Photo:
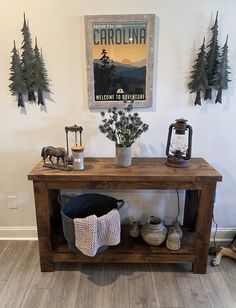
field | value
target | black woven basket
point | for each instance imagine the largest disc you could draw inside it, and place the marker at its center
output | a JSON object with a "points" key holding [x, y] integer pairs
{"points": [[82, 206]]}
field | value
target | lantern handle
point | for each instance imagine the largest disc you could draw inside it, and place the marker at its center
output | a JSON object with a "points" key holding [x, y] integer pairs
{"points": [[189, 150], [169, 139]]}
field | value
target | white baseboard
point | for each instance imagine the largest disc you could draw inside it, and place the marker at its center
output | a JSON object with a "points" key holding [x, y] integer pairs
{"points": [[223, 234], [19, 233], [30, 233]]}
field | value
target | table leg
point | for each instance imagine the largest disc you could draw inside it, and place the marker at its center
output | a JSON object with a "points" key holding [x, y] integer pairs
{"points": [[41, 196], [203, 228], [191, 208]]}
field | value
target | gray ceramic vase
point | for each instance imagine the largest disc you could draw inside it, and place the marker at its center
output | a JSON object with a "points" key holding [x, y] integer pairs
{"points": [[134, 229], [174, 236], [153, 231], [123, 156]]}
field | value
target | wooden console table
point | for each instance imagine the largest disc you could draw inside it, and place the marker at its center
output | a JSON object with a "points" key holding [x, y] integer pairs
{"points": [[199, 180]]}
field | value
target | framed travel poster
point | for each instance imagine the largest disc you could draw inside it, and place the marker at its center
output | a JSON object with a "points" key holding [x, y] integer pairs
{"points": [[120, 56]]}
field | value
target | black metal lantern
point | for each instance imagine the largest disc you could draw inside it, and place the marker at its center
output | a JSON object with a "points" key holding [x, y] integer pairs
{"points": [[179, 144], [74, 129]]}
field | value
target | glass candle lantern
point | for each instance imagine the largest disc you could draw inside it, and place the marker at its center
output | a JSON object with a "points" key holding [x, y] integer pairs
{"points": [[179, 144], [78, 157]]}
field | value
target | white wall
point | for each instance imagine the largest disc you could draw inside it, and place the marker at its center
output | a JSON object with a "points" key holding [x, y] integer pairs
{"points": [[59, 28]]}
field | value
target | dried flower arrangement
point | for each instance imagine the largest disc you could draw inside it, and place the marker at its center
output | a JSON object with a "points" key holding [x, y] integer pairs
{"points": [[122, 126]]}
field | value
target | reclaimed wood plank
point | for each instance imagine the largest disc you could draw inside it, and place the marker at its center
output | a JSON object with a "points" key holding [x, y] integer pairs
{"points": [[151, 169], [203, 228], [145, 173], [191, 209], [42, 207]]}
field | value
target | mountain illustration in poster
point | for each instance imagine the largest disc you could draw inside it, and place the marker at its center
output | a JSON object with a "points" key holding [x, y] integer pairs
{"points": [[119, 62]]}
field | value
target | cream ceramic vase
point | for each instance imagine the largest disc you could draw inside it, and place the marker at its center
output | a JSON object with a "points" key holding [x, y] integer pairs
{"points": [[153, 231]]}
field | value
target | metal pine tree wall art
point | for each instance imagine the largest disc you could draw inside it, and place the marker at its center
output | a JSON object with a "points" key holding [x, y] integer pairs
{"points": [[28, 61], [212, 59], [17, 86], [210, 71], [27, 72], [199, 75], [41, 82], [221, 79]]}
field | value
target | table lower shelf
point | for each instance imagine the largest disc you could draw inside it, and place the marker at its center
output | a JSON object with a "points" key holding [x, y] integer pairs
{"points": [[130, 250]]}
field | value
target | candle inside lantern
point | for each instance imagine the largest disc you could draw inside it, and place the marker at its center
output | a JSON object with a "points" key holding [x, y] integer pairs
{"points": [[78, 157]]}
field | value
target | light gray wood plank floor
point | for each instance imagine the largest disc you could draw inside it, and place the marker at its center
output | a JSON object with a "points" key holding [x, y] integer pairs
{"points": [[109, 285]]}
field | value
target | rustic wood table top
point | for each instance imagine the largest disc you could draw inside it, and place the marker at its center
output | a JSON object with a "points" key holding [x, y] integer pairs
{"points": [[150, 169]]}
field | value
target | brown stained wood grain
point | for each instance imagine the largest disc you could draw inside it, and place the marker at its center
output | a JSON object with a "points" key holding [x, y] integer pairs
{"points": [[199, 180], [203, 228], [42, 207], [133, 246], [67, 184], [151, 169], [191, 208], [124, 258]]}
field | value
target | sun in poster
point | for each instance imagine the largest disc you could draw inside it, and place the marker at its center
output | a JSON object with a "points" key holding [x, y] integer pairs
{"points": [[119, 61]]}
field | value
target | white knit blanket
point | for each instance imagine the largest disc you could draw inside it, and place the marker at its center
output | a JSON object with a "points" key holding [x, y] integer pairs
{"points": [[92, 232]]}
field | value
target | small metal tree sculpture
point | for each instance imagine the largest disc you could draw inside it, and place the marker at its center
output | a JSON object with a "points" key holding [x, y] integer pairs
{"points": [[199, 75], [41, 77], [17, 85], [222, 72]]}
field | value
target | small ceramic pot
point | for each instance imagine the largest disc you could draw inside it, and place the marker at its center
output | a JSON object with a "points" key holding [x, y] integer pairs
{"points": [[153, 231]]}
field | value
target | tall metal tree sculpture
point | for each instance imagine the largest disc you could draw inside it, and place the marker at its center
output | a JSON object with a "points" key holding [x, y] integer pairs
{"points": [[199, 75], [41, 78], [28, 61], [212, 59], [222, 72], [17, 85]]}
